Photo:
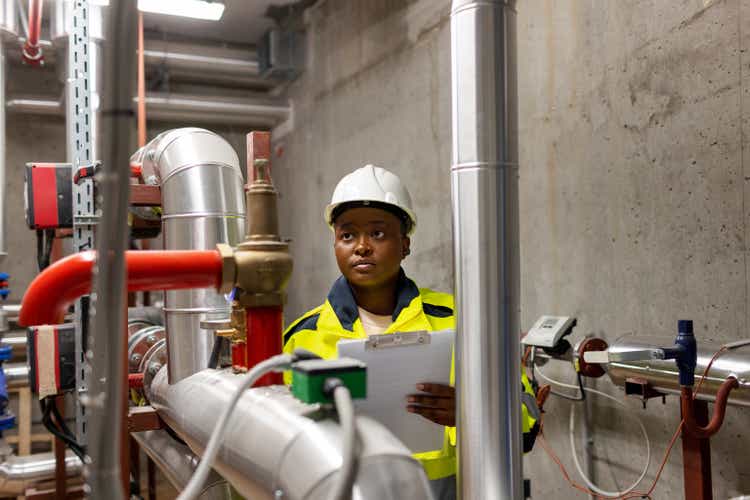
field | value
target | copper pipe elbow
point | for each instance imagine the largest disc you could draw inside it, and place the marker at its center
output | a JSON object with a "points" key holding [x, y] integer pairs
{"points": [[720, 407]]}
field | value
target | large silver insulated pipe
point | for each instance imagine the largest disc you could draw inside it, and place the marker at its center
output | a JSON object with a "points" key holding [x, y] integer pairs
{"points": [[19, 473], [202, 205], [484, 180], [663, 376], [178, 463], [277, 447]]}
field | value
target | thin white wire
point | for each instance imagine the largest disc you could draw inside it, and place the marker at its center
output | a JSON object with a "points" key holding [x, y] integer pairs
{"points": [[195, 485], [342, 489], [571, 435]]}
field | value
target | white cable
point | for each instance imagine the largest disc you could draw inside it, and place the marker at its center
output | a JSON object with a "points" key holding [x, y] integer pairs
{"points": [[195, 485], [345, 408], [571, 435]]}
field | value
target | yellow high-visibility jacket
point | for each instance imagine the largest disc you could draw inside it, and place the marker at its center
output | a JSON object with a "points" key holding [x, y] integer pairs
{"points": [[320, 329]]}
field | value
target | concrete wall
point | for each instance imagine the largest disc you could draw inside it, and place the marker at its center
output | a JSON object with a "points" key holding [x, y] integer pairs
{"points": [[633, 180]]}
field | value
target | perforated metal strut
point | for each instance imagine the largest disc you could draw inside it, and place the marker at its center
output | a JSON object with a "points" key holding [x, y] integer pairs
{"points": [[80, 152]]}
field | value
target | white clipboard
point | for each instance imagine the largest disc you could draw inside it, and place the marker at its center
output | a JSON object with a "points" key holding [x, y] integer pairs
{"points": [[396, 363]]}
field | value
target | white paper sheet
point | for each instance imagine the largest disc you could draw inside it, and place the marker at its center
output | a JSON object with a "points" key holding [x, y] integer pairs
{"points": [[393, 373]]}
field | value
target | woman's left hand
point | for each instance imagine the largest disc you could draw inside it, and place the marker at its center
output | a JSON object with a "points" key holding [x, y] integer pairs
{"points": [[438, 405]]}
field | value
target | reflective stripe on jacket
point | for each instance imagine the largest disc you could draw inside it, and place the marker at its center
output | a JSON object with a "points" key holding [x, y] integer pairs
{"points": [[320, 329]]}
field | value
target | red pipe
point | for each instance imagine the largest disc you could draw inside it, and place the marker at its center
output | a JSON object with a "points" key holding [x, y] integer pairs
{"points": [[57, 287], [32, 52], [263, 339], [691, 426]]}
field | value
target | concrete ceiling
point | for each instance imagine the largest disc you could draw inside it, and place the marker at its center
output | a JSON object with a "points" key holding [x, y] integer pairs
{"points": [[243, 22]]}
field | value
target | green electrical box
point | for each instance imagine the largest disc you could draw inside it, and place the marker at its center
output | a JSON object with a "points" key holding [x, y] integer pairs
{"points": [[309, 376]]}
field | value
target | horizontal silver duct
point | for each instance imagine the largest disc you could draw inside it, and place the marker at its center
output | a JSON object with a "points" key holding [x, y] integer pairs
{"points": [[662, 374], [202, 109], [187, 109], [276, 446], [202, 63], [178, 463], [19, 473]]}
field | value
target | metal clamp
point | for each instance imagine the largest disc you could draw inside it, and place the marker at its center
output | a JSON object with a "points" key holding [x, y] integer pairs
{"points": [[398, 339]]}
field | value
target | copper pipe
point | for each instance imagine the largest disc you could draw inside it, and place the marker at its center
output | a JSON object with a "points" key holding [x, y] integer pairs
{"points": [[141, 86], [691, 425], [32, 52]]}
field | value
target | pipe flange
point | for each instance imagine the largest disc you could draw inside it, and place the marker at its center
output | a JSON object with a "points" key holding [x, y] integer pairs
{"points": [[592, 370], [140, 343]]}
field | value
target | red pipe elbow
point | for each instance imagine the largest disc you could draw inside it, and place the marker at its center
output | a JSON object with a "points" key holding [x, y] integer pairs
{"points": [[57, 287], [720, 407], [32, 52]]}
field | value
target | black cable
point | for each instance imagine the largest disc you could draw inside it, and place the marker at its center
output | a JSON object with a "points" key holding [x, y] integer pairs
{"points": [[45, 238], [213, 360], [66, 437], [582, 392]]}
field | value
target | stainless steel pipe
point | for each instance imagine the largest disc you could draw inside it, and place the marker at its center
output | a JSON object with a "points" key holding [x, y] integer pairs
{"points": [[484, 180], [180, 108], [109, 308], [662, 374], [18, 473], [3, 71], [278, 447], [202, 205], [178, 463], [211, 64], [259, 112], [16, 374]]}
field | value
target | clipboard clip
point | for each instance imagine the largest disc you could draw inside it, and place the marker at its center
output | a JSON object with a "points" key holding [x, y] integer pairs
{"points": [[398, 339]]}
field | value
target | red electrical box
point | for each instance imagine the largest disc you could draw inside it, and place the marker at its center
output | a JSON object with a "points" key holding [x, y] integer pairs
{"points": [[48, 195]]}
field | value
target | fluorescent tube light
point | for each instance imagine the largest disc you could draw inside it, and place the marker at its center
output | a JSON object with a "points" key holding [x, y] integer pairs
{"points": [[197, 9]]}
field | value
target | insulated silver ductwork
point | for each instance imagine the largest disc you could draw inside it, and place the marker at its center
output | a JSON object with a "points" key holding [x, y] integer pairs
{"points": [[210, 64], [178, 463], [258, 112], [663, 376], [484, 180], [277, 447], [19, 473], [202, 205]]}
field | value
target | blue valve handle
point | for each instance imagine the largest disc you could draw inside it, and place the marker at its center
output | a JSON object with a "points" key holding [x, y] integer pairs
{"points": [[684, 352], [4, 290]]}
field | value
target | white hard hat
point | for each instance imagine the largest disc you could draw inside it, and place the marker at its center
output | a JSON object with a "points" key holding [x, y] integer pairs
{"points": [[372, 184]]}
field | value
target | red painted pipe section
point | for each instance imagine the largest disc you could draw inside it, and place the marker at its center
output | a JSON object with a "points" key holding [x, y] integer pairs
{"points": [[57, 287], [691, 426], [263, 339], [135, 380], [32, 52]]}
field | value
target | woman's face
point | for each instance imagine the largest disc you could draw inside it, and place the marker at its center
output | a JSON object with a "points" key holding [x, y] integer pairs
{"points": [[369, 246]]}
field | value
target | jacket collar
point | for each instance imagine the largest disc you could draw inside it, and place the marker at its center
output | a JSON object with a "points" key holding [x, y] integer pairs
{"points": [[344, 306]]}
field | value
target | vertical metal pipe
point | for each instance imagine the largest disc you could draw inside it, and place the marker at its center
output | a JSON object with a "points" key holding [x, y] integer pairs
{"points": [[3, 69], [109, 322], [484, 180]]}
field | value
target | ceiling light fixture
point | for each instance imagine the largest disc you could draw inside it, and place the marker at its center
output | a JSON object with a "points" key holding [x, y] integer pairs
{"points": [[197, 9]]}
